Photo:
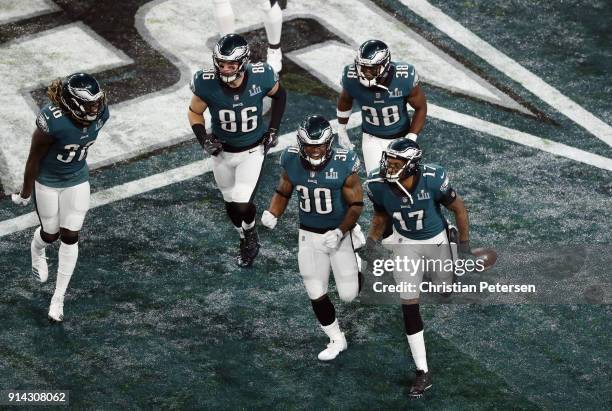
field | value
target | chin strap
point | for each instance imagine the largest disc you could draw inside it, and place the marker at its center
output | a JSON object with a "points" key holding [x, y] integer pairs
{"points": [[401, 186]]}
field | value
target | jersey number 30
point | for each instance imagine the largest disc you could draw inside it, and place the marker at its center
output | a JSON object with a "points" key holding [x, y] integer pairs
{"points": [[321, 197]]}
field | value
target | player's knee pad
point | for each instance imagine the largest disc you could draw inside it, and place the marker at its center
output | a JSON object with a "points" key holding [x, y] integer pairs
{"points": [[412, 318], [246, 211], [324, 310], [49, 238], [69, 237]]}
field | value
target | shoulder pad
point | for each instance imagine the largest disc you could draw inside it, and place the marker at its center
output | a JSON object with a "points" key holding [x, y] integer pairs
{"points": [[286, 156], [199, 80], [42, 123], [436, 176]]}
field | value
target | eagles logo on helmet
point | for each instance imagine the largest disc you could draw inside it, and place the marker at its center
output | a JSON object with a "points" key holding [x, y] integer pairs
{"points": [[402, 149], [372, 63], [315, 130], [231, 48], [82, 97]]}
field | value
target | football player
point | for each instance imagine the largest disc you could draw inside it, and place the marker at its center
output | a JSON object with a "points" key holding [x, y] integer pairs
{"points": [[410, 194], [330, 201], [57, 177], [382, 88], [233, 91], [273, 23]]}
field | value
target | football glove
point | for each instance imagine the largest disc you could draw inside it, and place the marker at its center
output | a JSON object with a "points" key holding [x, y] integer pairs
{"points": [[19, 200], [332, 238], [211, 144], [269, 220], [343, 138], [270, 139]]}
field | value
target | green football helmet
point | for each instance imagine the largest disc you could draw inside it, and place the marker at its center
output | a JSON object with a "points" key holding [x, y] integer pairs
{"points": [[231, 48], [315, 130]]}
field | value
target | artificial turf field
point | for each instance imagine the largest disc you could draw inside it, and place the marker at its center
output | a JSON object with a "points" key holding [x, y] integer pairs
{"points": [[159, 317]]}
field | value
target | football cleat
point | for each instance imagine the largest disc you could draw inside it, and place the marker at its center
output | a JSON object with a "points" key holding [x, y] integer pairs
{"points": [[40, 269], [56, 309], [334, 348], [275, 59], [421, 383], [249, 248]]}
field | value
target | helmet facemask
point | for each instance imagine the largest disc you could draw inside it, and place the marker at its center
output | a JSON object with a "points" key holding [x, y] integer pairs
{"points": [[231, 49], [325, 140], [82, 97], [378, 60]]}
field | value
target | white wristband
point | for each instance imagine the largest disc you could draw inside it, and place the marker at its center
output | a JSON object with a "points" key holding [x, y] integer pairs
{"points": [[412, 136], [343, 114]]}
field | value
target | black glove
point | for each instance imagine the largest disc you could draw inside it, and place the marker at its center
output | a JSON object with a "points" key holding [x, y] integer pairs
{"points": [[270, 139], [373, 251], [212, 144], [209, 142]]}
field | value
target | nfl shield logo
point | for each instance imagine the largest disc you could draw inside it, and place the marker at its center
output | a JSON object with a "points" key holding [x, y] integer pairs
{"points": [[377, 95], [312, 174], [236, 97]]}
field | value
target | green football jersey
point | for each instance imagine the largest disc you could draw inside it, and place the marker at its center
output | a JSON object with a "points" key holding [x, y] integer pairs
{"points": [[65, 163], [322, 205], [383, 113], [422, 219], [236, 113]]}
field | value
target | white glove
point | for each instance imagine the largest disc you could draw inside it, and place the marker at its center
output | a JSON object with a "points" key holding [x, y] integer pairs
{"points": [[343, 138], [269, 220], [19, 200], [332, 238]]}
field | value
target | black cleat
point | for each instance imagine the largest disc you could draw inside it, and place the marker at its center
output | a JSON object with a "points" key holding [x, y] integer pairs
{"points": [[421, 383], [249, 248]]}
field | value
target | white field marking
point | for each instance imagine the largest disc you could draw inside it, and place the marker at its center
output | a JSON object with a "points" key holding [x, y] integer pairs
{"points": [[143, 185], [327, 74], [511, 68], [30, 62], [369, 21], [198, 168], [158, 120], [14, 10], [519, 137]]}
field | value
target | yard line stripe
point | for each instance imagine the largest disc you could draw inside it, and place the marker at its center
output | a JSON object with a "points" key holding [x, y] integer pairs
{"points": [[143, 185], [511, 68]]}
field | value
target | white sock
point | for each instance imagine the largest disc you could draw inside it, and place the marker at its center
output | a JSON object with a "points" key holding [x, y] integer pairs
{"points": [[38, 243], [240, 231], [224, 14], [333, 330], [417, 348], [273, 21], [67, 258]]}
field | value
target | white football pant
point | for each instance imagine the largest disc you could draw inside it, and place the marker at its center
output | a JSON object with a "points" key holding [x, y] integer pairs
{"points": [[315, 261], [237, 174], [61, 207], [433, 252], [372, 148]]}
